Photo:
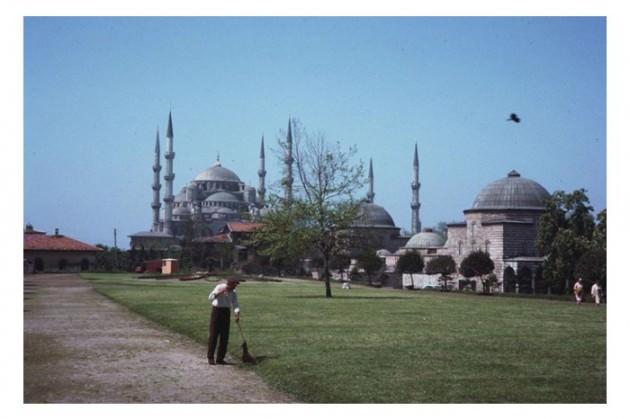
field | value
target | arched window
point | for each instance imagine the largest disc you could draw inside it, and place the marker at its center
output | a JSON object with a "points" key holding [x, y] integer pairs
{"points": [[62, 264], [459, 247], [509, 279], [487, 245], [39, 264], [85, 264]]}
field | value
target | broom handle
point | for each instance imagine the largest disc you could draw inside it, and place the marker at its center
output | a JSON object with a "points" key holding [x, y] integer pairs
{"points": [[240, 330]]}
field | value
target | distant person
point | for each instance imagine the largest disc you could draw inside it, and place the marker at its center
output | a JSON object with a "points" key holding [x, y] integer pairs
{"points": [[223, 298], [578, 288], [596, 292], [346, 285]]}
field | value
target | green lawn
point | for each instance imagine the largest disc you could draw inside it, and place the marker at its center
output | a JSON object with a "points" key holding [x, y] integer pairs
{"points": [[389, 346]]}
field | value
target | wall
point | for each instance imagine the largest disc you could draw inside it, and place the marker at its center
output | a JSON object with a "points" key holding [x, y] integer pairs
{"points": [[51, 260]]}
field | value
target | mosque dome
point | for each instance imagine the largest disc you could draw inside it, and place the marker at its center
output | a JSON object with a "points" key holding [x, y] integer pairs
{"points": [[426, 238], [222, 197], [217, 173], [181, 210], [372, 215], [511, 192], [181, 196]]}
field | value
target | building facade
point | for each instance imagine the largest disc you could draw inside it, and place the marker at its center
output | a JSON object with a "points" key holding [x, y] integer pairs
{"points": [[205, 204], [56, 253]]}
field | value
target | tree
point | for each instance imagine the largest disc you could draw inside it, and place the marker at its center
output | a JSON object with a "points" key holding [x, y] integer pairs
{"points": [[340, 263], [322, 205], [370, 262], [444, 265], [410, 263], [478, 263], [567, 233]]}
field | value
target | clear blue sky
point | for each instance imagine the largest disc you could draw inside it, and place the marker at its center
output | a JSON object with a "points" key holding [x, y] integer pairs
{"points": [[96, 89]]}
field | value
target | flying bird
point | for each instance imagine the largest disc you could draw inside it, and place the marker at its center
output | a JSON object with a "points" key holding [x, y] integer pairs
{"points": [[514, 117]]}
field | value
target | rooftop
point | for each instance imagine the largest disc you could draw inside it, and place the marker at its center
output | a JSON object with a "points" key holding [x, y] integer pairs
{"points": [[39, 241]]}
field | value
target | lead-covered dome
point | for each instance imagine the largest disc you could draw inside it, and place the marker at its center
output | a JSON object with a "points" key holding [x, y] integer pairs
{"points": [[425, 239], [222, 197], [511, 192], [217, 173], [372, 215]]}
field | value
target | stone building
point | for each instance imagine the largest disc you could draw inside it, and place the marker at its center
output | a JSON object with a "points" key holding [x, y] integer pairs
{"points": [[502, 221], [205, 204], [56, 253]]}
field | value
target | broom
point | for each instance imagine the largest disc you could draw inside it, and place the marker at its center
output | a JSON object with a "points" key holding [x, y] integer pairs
{"points": [[247, 357]]}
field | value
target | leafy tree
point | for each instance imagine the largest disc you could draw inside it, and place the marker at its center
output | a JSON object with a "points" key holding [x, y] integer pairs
{"points": [[445, 266], [370, 262], [322, 206], [340, 262], [112, 259], [478, 263], [567, 234], [410, 263]]}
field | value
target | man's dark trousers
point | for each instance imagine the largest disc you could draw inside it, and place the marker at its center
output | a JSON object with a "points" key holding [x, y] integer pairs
{"points": [[219, 331]]}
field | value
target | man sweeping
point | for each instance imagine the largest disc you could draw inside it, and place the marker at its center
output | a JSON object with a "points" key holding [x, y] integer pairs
{"points": [[223, 298]]}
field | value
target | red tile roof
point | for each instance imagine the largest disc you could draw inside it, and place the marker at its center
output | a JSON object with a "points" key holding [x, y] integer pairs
{"points": [[58, 243], [244, 227]]}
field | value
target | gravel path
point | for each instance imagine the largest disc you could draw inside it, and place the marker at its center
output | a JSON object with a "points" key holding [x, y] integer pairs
{"points": [[80, 347]]}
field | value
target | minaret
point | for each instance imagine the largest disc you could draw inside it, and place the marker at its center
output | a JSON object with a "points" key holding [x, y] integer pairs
{"points": [[370, 194], [261, 174], [155, 205], [168, 194], [288, 167], [415, 195]]}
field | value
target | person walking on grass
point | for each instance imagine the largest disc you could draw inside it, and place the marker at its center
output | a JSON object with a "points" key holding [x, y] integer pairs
{"points": [[578, 288], [596, 292], [223, 298]]}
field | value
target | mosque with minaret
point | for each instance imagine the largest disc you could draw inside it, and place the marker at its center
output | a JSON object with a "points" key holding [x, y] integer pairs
{"points": [[217, 196], [502, 221]]}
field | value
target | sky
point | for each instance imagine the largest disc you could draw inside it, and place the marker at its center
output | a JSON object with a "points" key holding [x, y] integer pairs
{"points": [[97, 89]]}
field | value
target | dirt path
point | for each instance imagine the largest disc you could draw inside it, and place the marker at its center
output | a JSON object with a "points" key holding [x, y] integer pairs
{"points": [[79, 347]]}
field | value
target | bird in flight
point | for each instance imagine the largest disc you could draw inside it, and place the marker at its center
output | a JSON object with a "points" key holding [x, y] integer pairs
{"points": [[514, 117]]}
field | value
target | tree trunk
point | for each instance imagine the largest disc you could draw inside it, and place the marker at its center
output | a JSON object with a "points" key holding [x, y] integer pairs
{"points": [[327, 277]]}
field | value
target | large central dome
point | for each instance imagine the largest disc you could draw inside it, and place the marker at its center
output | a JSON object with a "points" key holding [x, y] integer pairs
{"points": [[372, 215], [511, 192], [217, 173]]}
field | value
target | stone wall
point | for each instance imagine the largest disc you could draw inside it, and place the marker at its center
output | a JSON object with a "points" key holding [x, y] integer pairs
{"points": [[62, 261]]}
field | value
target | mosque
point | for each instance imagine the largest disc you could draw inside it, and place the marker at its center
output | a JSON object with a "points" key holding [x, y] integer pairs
{"points": [[503, 219]]}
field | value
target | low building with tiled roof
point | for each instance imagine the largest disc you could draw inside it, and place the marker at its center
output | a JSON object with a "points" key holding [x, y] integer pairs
{"points": [[56, 253]]}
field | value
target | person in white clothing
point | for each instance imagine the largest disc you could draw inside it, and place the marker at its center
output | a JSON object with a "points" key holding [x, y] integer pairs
{"points": [[596, 292], [223, 298], [578, 288]]}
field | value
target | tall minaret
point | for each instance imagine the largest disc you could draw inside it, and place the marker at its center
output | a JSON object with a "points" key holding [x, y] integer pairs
{"points": [[261, 174], [156, 185], [370, 194], [168, 194], [288, 167], [416, 226]]}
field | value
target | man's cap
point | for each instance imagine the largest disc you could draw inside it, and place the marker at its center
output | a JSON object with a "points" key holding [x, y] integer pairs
{"points": [[233, 280]]}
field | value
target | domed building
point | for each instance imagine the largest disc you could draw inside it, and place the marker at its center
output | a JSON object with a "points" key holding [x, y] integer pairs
{"points": [[214, 198], [374, 226], [502, 221]]}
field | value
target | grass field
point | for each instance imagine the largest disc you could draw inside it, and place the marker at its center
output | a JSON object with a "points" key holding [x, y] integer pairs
{"points": [[388, 346]]}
